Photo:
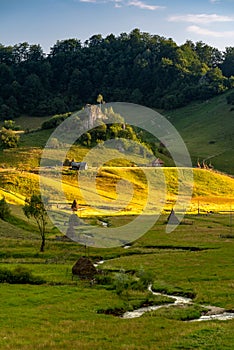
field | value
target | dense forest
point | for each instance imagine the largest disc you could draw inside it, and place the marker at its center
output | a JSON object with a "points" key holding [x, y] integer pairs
{"points": [[135, 67]]}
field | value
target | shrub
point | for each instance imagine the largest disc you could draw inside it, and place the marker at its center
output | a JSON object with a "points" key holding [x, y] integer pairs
{"points": [[55, 121], [230, 98], [19, 275], [10, 125], [8, 139], [4, 209], [104, 279], [145, 278], [122, 283]]}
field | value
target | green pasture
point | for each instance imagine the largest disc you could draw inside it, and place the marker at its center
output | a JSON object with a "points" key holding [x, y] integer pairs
{"points": [[207, 129], [29, 123], [64, 313]]}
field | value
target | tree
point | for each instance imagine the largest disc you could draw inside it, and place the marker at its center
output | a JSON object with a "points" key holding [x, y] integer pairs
{"points": [[65, 47], [4, 209], [209, 55], [136, 67], [8, 139], [9, 124], [34, 208], [85, 139], [74, 206], [122, 284], [100, 100], [228, 63], [20, 52], [33, 92], [54, 143], [35, 53]]}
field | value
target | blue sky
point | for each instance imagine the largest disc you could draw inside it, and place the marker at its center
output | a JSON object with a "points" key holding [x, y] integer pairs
{"points": [[46, 21]]}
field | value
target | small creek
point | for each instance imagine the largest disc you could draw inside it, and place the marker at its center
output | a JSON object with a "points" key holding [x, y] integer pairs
{"points": [[214, 312]]}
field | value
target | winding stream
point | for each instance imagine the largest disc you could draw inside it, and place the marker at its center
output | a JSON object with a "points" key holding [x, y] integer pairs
{"points": [[216, 313], [139, 312]]}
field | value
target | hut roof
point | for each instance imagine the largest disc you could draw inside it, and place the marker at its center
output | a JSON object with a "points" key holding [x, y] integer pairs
{"points": [[172, 219]]}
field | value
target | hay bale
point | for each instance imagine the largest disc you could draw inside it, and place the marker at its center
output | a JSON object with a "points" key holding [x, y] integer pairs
{"points": [[84, 268]]}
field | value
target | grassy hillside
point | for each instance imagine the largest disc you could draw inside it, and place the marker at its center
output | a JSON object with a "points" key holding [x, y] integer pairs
{"points": [[208, 131], [124, 190], [206, 127]]}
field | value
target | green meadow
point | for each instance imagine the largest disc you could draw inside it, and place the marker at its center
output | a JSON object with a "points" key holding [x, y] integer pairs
{"points": [[65, 313], [207, 130], [44, 307]]}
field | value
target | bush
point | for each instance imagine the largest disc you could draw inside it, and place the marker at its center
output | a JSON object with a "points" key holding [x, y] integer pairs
{"points": [[55, 121], [145, 278], [4, 209], [105, 280], [230, 98], [122, 283], [8, 139], [10, 125], [19, 275]]}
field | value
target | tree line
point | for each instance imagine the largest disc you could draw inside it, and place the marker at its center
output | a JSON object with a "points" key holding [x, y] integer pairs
{"points": [[137, 67]]}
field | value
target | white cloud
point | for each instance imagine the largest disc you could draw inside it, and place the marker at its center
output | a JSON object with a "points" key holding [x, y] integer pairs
{"points": [[214, 1], [89, 1], [211, 33], [200, 18], [120, 3], [144, 6]]}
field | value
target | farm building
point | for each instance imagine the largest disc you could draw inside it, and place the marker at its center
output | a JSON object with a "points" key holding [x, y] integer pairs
{"points": [[79, 166], [156, 163]]}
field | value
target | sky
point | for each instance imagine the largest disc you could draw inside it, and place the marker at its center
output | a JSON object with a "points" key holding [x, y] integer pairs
{"points": [[46, 21]]}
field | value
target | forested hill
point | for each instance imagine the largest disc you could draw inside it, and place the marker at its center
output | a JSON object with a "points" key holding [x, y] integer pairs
{"points": [[135, 67]]}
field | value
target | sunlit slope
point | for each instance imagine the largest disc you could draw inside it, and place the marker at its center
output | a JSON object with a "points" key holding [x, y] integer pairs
{"points": [[12, 197], [115, 190], [206, 127], [208, 131]]}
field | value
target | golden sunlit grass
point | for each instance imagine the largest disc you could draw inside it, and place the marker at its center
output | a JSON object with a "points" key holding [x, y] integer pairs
{"points": [[12, 198], [123, 190]]}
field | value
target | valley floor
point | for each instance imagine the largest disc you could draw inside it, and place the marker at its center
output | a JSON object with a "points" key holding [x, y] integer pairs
{"points": [[195, 260]]}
